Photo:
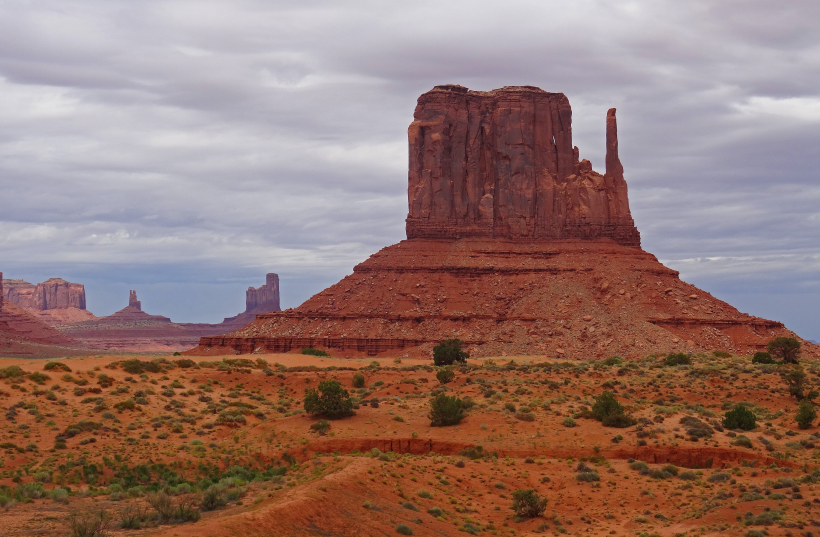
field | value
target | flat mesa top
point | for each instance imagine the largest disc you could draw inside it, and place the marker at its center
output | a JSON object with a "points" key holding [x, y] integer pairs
{"points": [[455, 88]]}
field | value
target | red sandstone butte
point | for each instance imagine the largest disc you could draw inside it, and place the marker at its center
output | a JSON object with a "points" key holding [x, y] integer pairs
{"points": [[515, 246], [501, 164], [52, 294]]}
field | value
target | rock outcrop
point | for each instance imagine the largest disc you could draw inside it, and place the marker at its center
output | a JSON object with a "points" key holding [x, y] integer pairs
{"points": [[515, 246], [263, 299], [501, 164], [52, 294]]}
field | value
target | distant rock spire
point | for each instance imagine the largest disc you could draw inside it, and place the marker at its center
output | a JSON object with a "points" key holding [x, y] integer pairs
{"points": [[133, 302]]}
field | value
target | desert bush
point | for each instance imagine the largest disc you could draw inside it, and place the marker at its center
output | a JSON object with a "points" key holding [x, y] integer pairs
{"points": [[88, 523], [762, 358], [11, 372], [184, 511], [333, 402], [132, 516], [162, 504], [787, 349], [680, 358], [56, 365], [740, 418], [445, 410], [610, 412], [358, 380], [568, 422], [449, 352], [445, 375], [473, 453], [310, 351], [721, 354], [39, 378], [742, 441], [528, 503], [404, 529], [719, 478], [105, 381], [612, 360], [688, 475], [436, 511], [795, 380], [128, 404], [185, 363], [806, 414], [321, 427], [766, 518], [588, 477], [525, 414], [425, 494], [212, 498], [59, 495]]}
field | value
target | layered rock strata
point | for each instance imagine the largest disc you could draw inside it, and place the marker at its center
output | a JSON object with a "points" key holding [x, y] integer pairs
{"points": [[501, 164], [515, 246], [52, 294]]}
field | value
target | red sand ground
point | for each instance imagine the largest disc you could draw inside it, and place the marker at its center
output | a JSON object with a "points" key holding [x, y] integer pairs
{"points": [[326, 494]]}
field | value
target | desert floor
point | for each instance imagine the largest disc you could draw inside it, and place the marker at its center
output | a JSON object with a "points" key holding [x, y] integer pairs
{"points": [[114, 438]]}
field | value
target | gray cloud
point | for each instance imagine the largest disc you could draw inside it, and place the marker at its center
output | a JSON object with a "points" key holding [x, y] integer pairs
{"points": [[198, 145]]}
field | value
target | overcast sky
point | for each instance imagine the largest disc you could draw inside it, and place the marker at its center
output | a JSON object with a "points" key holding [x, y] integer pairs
{"points": [[184, 149]]}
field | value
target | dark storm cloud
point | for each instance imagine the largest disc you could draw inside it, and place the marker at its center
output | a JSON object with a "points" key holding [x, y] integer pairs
{"points": [[202, 144]]}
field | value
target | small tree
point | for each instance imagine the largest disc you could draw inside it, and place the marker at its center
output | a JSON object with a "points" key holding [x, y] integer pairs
{"points": [[358, 380], [333, 402], [739, 418], [806, 414], [762, 358], [785, 348], [449, 352], [445, 410], [528, 503], [445, 375], [796, 382]]}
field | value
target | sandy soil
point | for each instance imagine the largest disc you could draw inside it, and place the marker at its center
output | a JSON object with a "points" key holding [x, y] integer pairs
{"points": [[373, 471]]}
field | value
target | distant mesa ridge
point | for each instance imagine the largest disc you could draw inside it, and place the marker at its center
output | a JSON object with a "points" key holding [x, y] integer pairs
{"points": [[501, 164], [52, 294]]}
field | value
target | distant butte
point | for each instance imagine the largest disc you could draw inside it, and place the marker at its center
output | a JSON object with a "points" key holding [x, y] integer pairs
{"points": [[514, 245]]}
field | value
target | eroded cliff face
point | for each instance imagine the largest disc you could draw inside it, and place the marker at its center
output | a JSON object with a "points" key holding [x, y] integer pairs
{"points": [[501, 164], [263, 299], [52, 294]]}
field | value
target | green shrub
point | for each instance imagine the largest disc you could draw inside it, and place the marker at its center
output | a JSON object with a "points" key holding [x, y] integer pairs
{"points": [[449, 352], [525, 415], [56, 365], [588, 477], [11, 372], [680, 358], [740, 418], [721, 354], [39, 378], [436, 511], [528, 503], [358, 380], [128, 404], [568, 422], [59, 495], [687, 475], [445, 375], [610, 412], [310, 351], [333, 402], [787, 349], [445, 410], [404, 529], [762, 358], [612, 360], [321, 427], [212, 498], [742, 441], [719, 478], [795, 380], [185, 363], [806, 414], [425, 494]]}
